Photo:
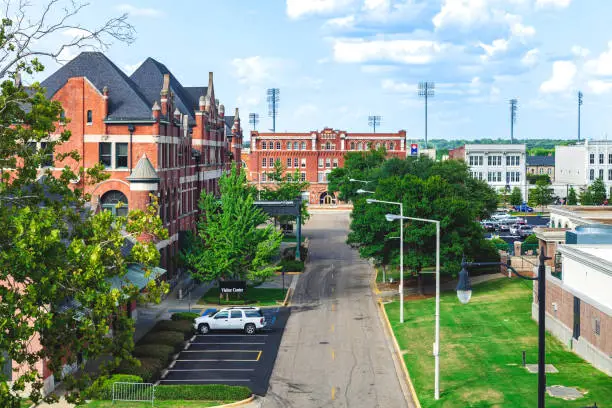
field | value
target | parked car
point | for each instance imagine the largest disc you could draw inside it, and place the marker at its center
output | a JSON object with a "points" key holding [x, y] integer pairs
{"points": [[504, 227], [514, 229], [523, 208], [488, 226], [525, 231], [249, 319]]}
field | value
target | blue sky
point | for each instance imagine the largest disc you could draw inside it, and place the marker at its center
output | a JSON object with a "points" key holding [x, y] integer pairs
{"points": [[338, 61]]}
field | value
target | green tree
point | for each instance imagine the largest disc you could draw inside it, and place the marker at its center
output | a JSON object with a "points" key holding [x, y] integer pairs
{"points": [[233, 241], [357, 165], [516, 197], [586, 197], [286, 186], [62, 268], [541, 195], [571, 197], [598, 191]]}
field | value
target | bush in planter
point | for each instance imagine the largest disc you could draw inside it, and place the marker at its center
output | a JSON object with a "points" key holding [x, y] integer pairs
{"points": [[149, 369], [185, 316], [102, 388], [289, 253], [210, 392], [181, 326], [292, 265], [159, 351], [169, 338]]}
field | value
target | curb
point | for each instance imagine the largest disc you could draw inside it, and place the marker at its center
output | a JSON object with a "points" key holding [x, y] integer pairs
{"points": [[287, 296], [237, 403], [398, 352]]}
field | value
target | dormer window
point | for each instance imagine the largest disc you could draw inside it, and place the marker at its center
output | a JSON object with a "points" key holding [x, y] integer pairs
{"points": [[89, 117], [62, 117]]}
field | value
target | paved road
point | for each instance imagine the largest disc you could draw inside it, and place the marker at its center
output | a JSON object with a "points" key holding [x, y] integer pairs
{"points": [[231, 357], [334, 352]]}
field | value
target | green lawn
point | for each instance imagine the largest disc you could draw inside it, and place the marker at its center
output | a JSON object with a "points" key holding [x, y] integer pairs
{"points": [[254, 296], [161, 404], [481, 345], [289, 238]]}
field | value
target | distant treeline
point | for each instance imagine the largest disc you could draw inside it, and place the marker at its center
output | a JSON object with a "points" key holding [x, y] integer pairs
{"points": [[535, 147]]}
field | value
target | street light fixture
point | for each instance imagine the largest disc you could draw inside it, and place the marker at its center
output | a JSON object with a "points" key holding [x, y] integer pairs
{"points": [[362, 191], [352, 180], [464, 293]]}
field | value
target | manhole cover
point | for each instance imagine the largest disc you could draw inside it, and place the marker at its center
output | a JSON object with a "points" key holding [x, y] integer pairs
{"points": [[533, 368], [566, 393]]}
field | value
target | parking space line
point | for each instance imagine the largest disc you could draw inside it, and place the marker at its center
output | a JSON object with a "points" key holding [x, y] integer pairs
{"points": [[259, 356], [332, 328], [333, 392]]}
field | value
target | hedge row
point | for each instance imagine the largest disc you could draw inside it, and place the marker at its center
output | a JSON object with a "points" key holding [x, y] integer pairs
{"points": [[211, 392], [102, 388], [292, 265], [182, 326], [159, 351], [185, 316], [168, 338], [149, 369]]}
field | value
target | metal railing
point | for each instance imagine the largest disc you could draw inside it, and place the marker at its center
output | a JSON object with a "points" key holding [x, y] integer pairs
{"points": [[141, 392]]}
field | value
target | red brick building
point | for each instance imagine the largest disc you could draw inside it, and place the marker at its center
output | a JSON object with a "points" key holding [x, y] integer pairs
{"points": [[315, 154], [153, 135]]}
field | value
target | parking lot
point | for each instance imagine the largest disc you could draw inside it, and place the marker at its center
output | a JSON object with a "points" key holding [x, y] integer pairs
{"points": [[231, 357]]}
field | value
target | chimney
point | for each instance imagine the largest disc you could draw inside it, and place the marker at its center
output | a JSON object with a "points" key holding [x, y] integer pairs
{"points": [[177, 114], [164, 95], [202, 103], [105, 105], [222, 111]]}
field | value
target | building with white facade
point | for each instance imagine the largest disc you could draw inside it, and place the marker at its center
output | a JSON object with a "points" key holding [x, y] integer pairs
{"points": [[578, 166], [503, 166]]}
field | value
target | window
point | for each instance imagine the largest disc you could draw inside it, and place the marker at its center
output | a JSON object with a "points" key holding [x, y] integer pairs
{"points": [[303, 162], [221, 315], [518, 160], [489, 161], [289, 178], [480, 175], [549, 170], [601, 158], [592, 175], [359, 146], [263, 145], [592, 158], [288, 145], [518, 176], [377, 146], [62, 117], [480, 160], [303, 145], [610, 174], [278, 145], [264, 162], [499, 178], [609, 158], [352, 145], [320, 163], [601, 174], [327, 162], [335, 163], [121, 155], [236, 314], [263, 177], [89, 117], [253, 313], [597, 326], [115, 202], [321, 177], [541, 170], [288, 161], [7, 368], [471, 160], [508, 160], [105, 154], [327, 146], [295, 145], [391, 146], [47, 160], [271, 162], [295, 162], [303, 177]]}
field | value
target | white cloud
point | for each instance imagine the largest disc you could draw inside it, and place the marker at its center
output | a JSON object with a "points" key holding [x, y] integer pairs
{"points": [[599, 86], [257, 69], [497, 46], [562, 77], [378, 69], [307, 110], [522, 31], [580, 51], [602, 65], [138, 11], [553, 3], [341, 22], [403, 51], [299, 8], [399, 87], [531, 57], [130, 68], [462, 13]]}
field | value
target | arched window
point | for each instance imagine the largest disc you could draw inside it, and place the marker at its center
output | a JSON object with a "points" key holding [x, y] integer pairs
{"points": [[377, 146], [288, 145], [303, 145], [391, 146], [278, 146], [295, 145], [263, 145], [327, 146], [359, 146], [352, 145], [111, 200]]}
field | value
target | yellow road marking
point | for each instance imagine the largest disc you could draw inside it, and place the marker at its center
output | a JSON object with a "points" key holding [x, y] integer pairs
{"points": [[332, 328], [333, 307], [258, 356], [333, 355], [333, 393]]}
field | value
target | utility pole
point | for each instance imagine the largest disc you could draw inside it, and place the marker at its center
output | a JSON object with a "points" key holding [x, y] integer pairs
{"points": [[426, 89], [513, 108], [374, 121], [579, 109], [254, 120], [273, 98]]}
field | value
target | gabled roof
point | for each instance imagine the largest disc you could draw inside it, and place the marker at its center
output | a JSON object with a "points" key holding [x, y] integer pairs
{"points": [[125, 99], [540, 160], [229, 122], [150, 78], [194, 93]]}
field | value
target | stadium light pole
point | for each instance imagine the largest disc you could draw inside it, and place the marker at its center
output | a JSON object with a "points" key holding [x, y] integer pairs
{"points": [[513, 108], [579, 109], [426, 90], [273, 98], [374, 121]]}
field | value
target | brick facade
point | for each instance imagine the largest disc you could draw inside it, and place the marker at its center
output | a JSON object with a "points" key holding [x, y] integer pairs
{"points": [[315, 155]]}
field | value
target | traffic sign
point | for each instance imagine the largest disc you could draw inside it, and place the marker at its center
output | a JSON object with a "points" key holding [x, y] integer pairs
{"points": [[414, 149]]}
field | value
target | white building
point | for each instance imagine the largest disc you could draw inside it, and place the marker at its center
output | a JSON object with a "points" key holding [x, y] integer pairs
{"points": [[580, 165], [501, 165]]}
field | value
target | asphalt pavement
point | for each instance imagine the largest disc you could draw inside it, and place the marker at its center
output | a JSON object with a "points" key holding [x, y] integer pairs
{"points": [[231, 357], [334, 352]]}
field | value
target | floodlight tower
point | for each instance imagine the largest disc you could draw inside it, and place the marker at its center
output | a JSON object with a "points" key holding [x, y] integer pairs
{"points": [[254, 120], [579, 109], [426, 89], [374, 121], [513, 109], [273, 98]]}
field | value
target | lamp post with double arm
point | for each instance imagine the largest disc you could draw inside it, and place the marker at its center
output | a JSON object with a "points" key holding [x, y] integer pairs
{"points": [[464, 293]]}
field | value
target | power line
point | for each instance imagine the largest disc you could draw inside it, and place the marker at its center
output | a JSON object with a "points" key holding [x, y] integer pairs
{"points": [[273, 98], [426, 89], [254, 120], [374, 121], [579, 109], [513, 109]]}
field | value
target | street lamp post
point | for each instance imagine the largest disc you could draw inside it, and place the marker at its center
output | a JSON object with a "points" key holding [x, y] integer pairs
{"points": [[436, 346], [464, 293]]}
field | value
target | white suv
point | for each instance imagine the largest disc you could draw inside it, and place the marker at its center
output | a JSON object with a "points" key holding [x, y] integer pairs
{"points": [[249, 319]]}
